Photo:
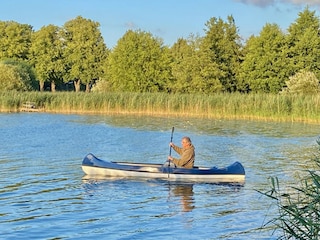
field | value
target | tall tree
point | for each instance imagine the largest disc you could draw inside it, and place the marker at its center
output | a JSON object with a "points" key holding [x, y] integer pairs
{"points": [[183, 56], [139, 63], [15, 40], [303, 43], [46, 54], [264, 66], [220, 55], [85, 51], [186, 65]]}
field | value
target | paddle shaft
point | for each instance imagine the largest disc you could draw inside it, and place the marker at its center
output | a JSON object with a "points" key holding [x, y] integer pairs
{"points": [[170, 150], [171, 140]]}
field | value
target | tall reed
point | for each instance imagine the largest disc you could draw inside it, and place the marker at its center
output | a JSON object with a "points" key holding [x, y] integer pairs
{"points": [[269, 107], [298, 207]]}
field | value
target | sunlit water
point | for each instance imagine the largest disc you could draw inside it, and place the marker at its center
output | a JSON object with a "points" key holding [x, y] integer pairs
{"points": [[45, 195]]}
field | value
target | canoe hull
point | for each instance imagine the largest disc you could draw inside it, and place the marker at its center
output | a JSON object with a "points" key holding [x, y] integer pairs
{"points": [[93, 166]]}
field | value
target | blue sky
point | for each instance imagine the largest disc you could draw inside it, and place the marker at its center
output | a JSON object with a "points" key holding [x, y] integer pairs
{"points": [[167, 19]]}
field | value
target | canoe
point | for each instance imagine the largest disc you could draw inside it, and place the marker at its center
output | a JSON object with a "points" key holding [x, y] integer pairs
{"points": [[95, 167]]}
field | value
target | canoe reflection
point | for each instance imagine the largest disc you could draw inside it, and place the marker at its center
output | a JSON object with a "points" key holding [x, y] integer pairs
{"points": [[182, 191], [185, 193]]}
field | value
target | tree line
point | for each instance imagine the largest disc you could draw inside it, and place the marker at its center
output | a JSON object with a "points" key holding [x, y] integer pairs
{"points": [[76, 57]]}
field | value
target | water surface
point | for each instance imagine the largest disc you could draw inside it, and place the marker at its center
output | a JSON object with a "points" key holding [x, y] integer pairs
{"points": [[45, 195]]}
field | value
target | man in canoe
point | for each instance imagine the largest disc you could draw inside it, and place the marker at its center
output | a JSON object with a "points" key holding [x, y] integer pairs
{"points": [[187, 153]]}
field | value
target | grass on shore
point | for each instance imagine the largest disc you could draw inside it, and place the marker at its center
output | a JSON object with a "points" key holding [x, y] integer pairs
{"points": [[268, 107]]}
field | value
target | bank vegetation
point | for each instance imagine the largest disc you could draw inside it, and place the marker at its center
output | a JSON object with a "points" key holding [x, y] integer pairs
{"points": [[74, 57], [266, 107], [298, 205]]}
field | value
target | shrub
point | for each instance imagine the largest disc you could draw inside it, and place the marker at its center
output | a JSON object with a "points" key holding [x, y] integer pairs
{"points": [[16, 76], [26, 72], [101, 85], [304, 82]]}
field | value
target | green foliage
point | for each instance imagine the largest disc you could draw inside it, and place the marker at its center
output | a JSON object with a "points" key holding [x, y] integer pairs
{"points": [[101, 85], [25, 70], [85, 51], [214, 63], [183, 67], [209, 64], [46, 55], [15, 40], [139, 63], [219, 56], [306, 20], [264, 107], [14, 77], [264, 65], [299, 207], [303, 44], [303, 82]]}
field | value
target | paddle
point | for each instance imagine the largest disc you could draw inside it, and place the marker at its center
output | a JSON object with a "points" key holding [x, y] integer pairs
{"points": [[170, 150]]}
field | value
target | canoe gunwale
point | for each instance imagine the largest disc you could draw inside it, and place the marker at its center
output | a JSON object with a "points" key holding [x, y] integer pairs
{"points": [[94, 166]]}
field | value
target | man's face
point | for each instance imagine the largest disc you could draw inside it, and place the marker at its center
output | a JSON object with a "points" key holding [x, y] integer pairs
{"points": [[184, 143]]}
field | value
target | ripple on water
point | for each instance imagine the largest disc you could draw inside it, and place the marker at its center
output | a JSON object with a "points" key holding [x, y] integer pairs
{"points": [[43, 193]]}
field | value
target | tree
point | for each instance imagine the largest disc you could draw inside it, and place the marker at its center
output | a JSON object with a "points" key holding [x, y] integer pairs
{"points": [[219, 56], [85, 51], [303, 43], [264, 65], [139, 63], [183, 54], [46, 54], [186, 66], [15, 40]]}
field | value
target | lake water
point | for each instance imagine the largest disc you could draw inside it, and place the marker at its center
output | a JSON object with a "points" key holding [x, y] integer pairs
{"points": [[45, 195]]}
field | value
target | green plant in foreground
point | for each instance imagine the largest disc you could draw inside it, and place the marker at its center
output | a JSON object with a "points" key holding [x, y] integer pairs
{"points": [[299, 208]]}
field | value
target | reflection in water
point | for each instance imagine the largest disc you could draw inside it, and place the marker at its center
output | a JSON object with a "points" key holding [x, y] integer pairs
{"points": [[203, 126], [41, 198], [185, 193]]}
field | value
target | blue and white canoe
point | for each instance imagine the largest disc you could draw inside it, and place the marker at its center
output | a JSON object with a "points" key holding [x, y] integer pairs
{"points": [[95, 167]]}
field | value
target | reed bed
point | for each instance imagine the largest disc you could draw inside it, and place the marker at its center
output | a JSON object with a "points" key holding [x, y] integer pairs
{"points": [[267, 107], [298, 206]]}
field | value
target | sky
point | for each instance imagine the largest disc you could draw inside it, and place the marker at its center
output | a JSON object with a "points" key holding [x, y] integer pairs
{"points": [[166, 19]]}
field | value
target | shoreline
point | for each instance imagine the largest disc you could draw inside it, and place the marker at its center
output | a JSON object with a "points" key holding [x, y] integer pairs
{"points": [[251, 107], [288, 119]]}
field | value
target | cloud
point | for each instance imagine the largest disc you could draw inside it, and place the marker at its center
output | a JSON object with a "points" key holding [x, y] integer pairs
{"points": [[266, 3], [304, 2], [130, 25], [259, 3]]}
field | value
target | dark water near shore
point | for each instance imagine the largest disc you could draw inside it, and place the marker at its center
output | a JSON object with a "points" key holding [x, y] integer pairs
{"points": [[44, 194]]}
